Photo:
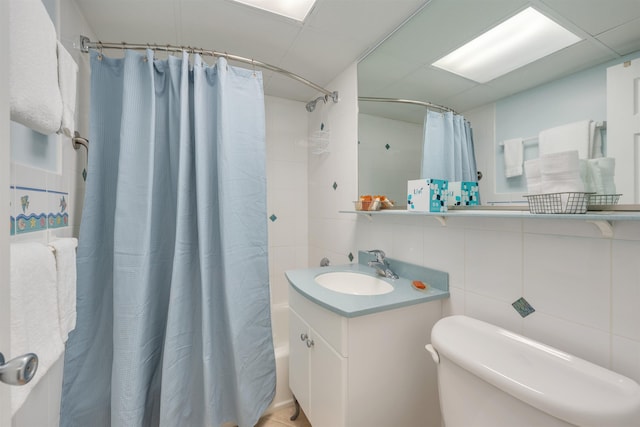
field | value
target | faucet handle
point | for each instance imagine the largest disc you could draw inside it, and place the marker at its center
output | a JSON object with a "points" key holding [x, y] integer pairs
{"points": [[378, 253]]}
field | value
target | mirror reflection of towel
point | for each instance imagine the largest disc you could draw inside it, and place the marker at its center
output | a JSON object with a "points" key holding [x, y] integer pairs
{"points": [[513, 157], [572, 136]]}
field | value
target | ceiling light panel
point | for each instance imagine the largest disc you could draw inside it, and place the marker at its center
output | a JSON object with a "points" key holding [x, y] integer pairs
{"points": [[518, 41], [294, 9]]}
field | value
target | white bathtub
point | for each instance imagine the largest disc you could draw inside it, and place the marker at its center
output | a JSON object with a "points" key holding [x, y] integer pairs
{"points": [[280, 326]]}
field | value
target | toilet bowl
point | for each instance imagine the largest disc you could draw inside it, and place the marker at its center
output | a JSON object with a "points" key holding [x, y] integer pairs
{"points": [[489, 376]]}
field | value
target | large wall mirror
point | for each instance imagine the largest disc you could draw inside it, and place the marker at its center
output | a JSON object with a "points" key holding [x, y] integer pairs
{"points": [[560, 88]]}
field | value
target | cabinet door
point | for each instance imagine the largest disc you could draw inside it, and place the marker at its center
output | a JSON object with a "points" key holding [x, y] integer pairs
{"points": [[299, 356], [328, 382]]}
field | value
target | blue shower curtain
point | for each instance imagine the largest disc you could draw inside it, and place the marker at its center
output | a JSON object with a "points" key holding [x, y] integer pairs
{"points": [[174, 324], [448, 151]]}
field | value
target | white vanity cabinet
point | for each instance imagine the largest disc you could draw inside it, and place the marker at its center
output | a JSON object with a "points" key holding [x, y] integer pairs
{"points": [[365, 371]]}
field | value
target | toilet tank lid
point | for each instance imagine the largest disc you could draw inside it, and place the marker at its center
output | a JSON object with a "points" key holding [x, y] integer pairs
{"points": [[558, 383]]}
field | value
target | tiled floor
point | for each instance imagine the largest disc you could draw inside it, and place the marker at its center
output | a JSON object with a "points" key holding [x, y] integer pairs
{"points": [[280, 418]]}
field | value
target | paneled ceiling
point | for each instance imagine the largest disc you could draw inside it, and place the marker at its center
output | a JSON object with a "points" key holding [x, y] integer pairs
{"points": [[335, 34], [338, 32]]}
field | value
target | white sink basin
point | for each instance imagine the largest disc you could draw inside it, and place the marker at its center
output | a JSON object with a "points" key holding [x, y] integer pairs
{"points": [[347, 282]]}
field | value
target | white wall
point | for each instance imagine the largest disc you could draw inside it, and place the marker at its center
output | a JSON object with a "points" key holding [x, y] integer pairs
{"points": [[332, 234], [584, 288], [287, 197]]}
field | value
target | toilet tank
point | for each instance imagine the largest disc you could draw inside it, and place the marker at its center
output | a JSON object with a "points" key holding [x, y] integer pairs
{"points": [[491, 376]]}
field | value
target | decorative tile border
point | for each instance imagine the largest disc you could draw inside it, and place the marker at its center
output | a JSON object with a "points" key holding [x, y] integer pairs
{"points": [[38, 209]]}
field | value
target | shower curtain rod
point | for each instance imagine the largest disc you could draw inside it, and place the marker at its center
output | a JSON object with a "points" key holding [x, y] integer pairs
{"points": [[407, 101], [86, 44]]}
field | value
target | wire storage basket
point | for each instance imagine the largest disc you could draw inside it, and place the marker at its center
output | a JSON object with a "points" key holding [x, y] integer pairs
{"points": [[558, 203], [603, 199]]}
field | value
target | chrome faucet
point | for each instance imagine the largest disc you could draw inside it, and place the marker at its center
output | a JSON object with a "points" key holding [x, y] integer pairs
{"points": [[381, 265]]}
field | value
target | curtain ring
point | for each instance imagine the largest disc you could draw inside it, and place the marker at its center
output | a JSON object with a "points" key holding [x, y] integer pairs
{"points": [[253, 65], [99, 51]]}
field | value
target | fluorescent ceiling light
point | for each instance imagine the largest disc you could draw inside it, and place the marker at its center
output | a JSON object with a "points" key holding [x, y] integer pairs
{"points": [[294, 9], [520, 40]]}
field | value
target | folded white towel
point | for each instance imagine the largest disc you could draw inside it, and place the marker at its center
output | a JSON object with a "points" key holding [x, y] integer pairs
{"points": [[67, 76], [561, 172], [587, 177], [533, 176], [513, 157], [34, 95], [560, 162], [602, 171], [65, 253], [34, 311], [572, 136]]}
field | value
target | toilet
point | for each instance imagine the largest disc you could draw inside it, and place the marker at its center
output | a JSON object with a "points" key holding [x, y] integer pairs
{"points": [[489, 376]]}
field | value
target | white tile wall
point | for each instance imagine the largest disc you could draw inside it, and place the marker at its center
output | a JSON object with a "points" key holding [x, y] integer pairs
{"points": [[286, 131], [287, 200]]}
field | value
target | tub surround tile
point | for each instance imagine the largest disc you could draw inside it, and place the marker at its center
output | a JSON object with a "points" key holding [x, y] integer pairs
{"points": [[407, 244], [580, 340], [576, 228], [569, 278], [625, 357], [493, 264], [444, 250], [499, 313], [626, 230], [455, 303], [626, 288]]}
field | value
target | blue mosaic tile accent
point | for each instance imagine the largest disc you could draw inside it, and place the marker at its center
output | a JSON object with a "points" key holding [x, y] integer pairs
{"points": [[273, 218], [387, 146], [523, 307], [31, 222], [58, 220], [335, 185], [39, 210], [350, 257]]}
